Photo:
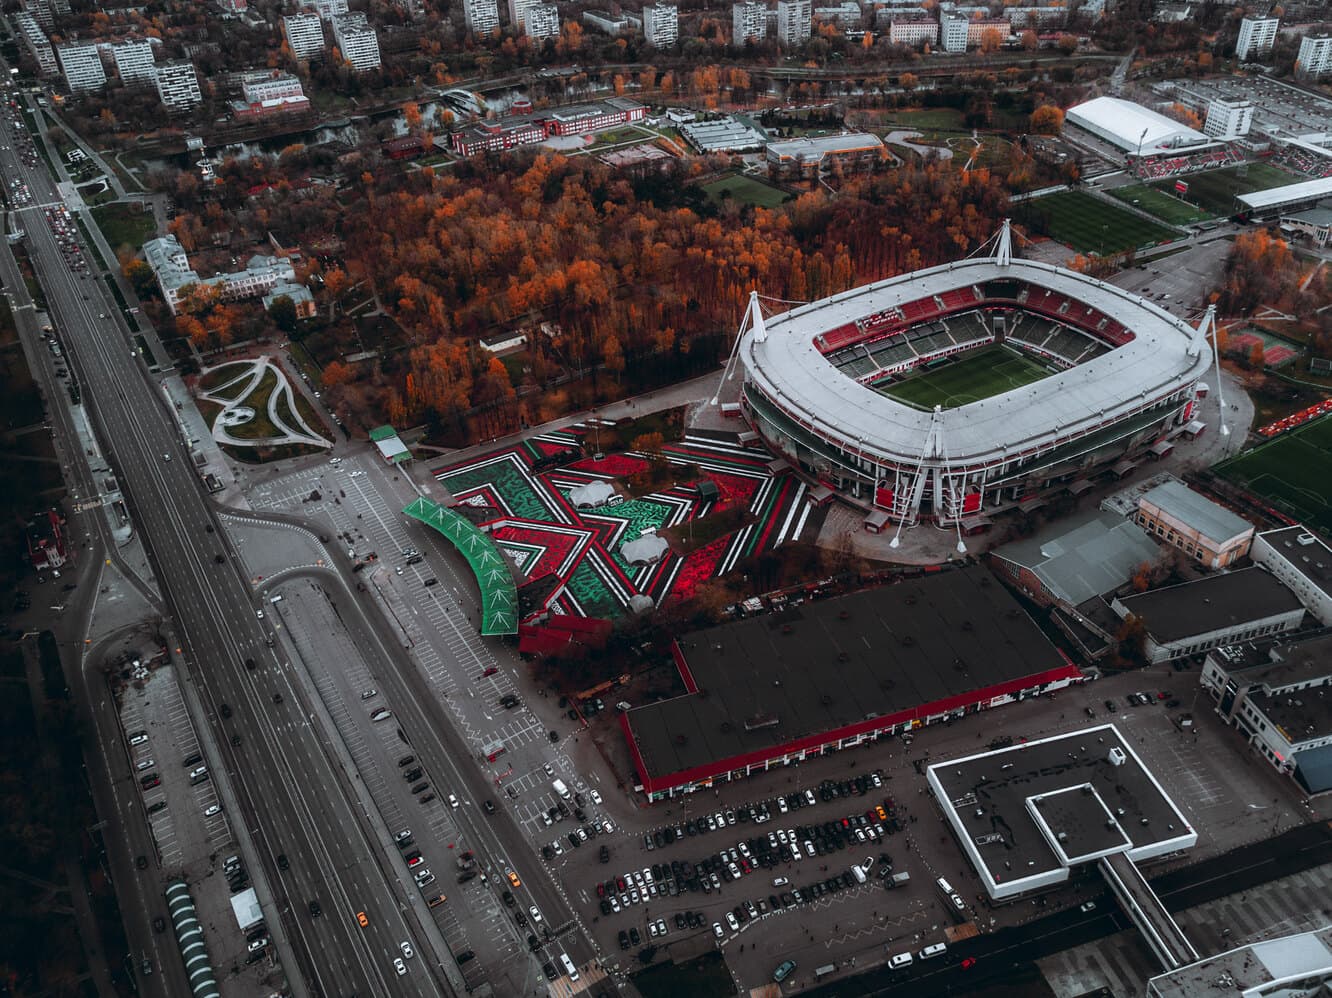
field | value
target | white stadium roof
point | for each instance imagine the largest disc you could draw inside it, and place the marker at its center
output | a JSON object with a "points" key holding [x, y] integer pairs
{"points": [[1131, 126], [787, 367], [1277, 197]]}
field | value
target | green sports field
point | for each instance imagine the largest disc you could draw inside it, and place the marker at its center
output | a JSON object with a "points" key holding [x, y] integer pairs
{"points": [[1089, 224], [745, 189], [1291, 472], [978, 375], [1161, 203], [1215, 190]]}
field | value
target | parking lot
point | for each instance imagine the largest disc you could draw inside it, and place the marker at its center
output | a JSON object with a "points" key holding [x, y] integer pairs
{"points": [[190, 827]]}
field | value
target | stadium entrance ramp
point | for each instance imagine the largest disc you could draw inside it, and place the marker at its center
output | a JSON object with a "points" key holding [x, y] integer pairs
{"points": [[499, 594]]}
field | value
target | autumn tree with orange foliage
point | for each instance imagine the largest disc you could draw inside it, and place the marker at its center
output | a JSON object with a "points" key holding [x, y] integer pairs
{"points": [[1260, 270]]}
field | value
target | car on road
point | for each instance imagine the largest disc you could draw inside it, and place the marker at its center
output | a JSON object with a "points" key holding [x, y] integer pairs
{"points": [[513, 879], [535, 912], [400, 967], [489, 806], [315, 909], [407, 950], [282, 861], [361, 919], [453, 801], [1087, 906]]}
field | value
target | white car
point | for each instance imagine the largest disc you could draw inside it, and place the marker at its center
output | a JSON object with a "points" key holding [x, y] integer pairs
{"points": [[453, 801], [615, 904], [407, 950], [400, 967], [596, 796], [661, 926], [652, 929], [535, 912], [144, 764], [717, 929], [380, 714], [215, 809], [730, 920]]}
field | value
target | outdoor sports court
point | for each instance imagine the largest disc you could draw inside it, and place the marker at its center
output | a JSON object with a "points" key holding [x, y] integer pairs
{"points": [[977, 375], [1291, 472]]}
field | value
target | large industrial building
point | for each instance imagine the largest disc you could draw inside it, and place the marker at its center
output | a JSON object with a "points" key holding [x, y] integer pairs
{"points": [[773, 690], [1116, 374]]}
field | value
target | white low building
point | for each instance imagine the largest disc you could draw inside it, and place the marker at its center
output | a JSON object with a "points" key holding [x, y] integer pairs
{"points": [[1303, 562]]}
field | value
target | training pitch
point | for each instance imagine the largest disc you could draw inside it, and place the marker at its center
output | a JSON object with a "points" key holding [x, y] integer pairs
{"points": [[1089, 224], [1291, 472], [977, 375], [1215, 190]]}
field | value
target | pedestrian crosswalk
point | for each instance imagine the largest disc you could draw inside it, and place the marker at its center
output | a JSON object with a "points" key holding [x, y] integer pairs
{"points": [[1122, 963]]}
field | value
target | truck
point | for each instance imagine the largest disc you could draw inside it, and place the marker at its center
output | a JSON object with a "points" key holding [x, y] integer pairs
{"points": [[561, 789], [898, 880], [858, 873]]}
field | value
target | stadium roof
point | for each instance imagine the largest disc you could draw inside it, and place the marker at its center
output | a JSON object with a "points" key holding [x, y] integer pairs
{"points": [[780, 682], [1133, 127], [499, 595], [1279, 197], [788, 367], [816, 146]]}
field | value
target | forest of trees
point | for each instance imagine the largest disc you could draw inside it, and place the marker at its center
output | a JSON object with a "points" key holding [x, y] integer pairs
{"points": [[627, 272]]}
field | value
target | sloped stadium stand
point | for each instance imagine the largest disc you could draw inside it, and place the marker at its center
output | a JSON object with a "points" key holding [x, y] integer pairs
{"points": [[499, 594]]}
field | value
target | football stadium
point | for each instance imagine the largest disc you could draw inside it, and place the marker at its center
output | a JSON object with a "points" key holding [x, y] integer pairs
{"points": [[970, 389]]}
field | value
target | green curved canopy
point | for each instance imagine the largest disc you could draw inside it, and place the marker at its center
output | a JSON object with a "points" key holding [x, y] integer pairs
{"points": [[499, 594]]}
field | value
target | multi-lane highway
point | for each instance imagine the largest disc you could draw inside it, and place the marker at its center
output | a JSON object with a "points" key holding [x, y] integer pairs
{"points": [[295, 798]]}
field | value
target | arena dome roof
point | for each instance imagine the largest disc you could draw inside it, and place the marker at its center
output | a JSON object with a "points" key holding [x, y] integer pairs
{"points": [[1134, 128]]}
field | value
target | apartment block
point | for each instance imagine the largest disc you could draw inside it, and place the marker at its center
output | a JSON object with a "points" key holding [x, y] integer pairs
{"points": [[661, 24], [45, 12], [357, 41], [953, 33], [914, 32], [542, 20], [482, 16], [178, 85], [1256, 37], [82, 66], [1315, 58], [304, 34], [1228, 119], [795, 20], [749, 20], [135, 64], [329, 9], [37, 44]]}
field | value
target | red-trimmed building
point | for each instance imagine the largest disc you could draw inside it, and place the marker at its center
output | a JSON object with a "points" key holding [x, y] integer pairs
{"points": [[498, 134], [774, 690], [46, 542]]}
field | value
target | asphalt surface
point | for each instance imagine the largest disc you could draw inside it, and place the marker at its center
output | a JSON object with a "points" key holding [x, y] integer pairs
{"points": [[292, 795]]}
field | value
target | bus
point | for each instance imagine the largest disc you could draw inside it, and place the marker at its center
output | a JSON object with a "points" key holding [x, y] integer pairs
{"points": [[569, 967]]}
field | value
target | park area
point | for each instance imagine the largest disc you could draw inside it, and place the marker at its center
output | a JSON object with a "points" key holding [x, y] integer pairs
{"points": [[1214, 191], [1290, 473], [125, 224], [977, 375], [745, 189], [1088, 224]]}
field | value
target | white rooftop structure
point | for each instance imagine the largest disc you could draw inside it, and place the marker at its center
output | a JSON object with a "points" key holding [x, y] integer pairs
{"points": [[646, 549], [1132, 127], [1298, 964], [788, 366], [591, 493], [245, 906], [1279, 197]]}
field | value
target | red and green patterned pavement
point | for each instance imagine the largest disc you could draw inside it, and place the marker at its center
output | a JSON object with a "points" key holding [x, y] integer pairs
{"points": [[536, 525]]}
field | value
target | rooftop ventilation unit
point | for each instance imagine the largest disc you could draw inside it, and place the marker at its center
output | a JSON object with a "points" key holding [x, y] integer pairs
{"points": [[1117, 756]]}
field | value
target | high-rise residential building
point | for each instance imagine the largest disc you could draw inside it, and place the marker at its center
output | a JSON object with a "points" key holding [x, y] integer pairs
{"points": [[953, 32], [661, 24], [749, 20], [1256, 37], [45, 12], [482, 16], [1315, 58], [542, 20], [518, 12], [329, 9], [1228, 119], [178, 85], [795, 21], [82, 66], [135, 64], [37, 44], [357, 41], [304, 34]]}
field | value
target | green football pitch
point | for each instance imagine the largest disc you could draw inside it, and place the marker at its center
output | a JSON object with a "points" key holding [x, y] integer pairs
{"points": [[1291, 472], [978, 375], [1215, 190], [1089, 224]]}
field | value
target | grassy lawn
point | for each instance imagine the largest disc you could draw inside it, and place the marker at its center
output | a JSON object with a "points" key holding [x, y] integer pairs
{"points": [[745, 189], [1291, 472], [308, 412], [125, 225], [1088, 224], [261, 426], [1163, 204], [219, 376], [1215, 190], [617, 135], [934, 119], [980, 374]]}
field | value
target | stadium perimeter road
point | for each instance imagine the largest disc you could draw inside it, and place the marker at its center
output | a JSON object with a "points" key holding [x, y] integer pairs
{"points": [[287, 784]]}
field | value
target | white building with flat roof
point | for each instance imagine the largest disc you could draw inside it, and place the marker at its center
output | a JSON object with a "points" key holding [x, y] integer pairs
{"points": [[1315, 58], [1303, 561], [329, 9], [795, 21], [135, 64], [661, 24], [82, 66], [913, 32], [481, 16], [542, 21], [1256, 37], [1228, 119], [178, 85], [357, 41], [37, 44], [518, 12], [749, 19], [304, 34], [953, 33]]}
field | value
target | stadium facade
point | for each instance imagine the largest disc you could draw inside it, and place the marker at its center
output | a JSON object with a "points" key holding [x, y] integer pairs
{"points": [[1122, 376]]}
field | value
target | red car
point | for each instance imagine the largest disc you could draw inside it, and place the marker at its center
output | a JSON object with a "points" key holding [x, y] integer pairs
{"points": [[489, 672], [601, 890]]}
